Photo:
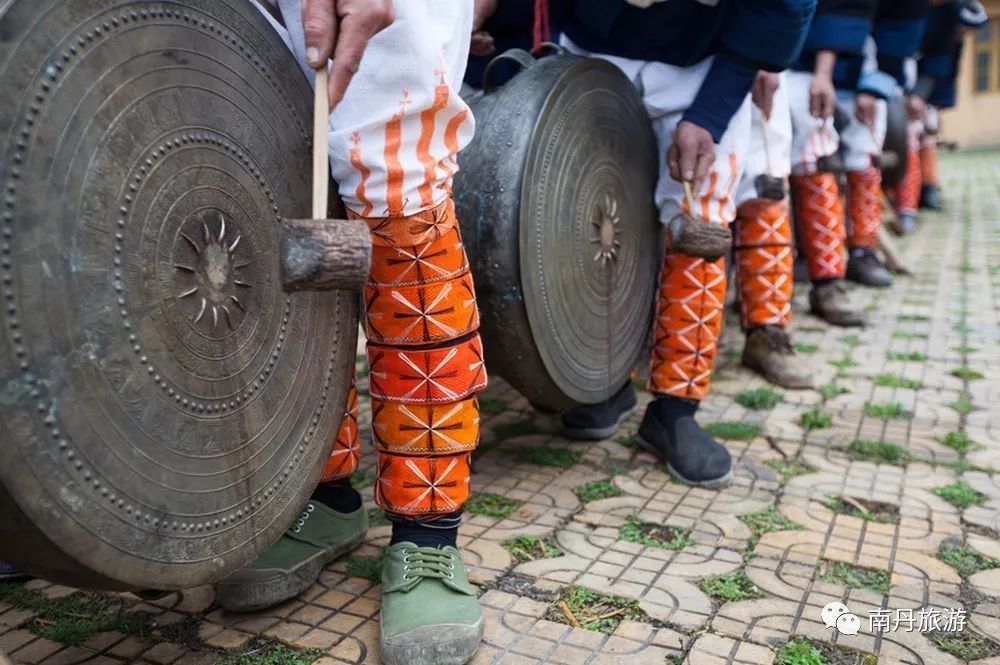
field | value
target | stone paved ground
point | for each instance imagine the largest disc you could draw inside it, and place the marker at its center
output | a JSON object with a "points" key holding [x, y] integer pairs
{"points": [[819, 510]]}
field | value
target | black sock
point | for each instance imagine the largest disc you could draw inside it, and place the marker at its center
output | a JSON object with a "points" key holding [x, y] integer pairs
{"points": [[822, 282], [439, 532], [338, 495], [668, 409]]}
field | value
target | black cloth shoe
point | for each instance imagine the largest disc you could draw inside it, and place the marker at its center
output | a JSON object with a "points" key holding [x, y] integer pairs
{"points": [[669, 430], [593, 422], [930, 197], [864, 268]]}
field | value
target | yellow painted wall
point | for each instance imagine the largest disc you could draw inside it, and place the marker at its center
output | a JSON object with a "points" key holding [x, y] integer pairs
{"points": [[975, 120]]}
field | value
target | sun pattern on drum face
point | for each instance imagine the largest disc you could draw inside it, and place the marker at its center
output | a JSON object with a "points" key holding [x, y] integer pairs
{"points": [[606, 230], [209, 273]]}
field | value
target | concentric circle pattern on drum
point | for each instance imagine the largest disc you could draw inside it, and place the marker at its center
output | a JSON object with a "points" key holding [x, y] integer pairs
{"points": [[165, 404], [588, 233]]}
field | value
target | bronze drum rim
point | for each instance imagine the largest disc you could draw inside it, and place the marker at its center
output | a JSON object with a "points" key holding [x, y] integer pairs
{"points": [[159, 428]]}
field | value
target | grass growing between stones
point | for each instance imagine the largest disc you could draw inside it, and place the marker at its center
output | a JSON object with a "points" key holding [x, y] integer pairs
{"points": [[72, 619], [788, 469], [362, 479], [905, 334], [912, 356], [965, 560], [799, 652], [532, 548], [831, 390], [964, 348], [872, 511], [765, 521], [893, 381], [964, 645], [816, 418], [886, 410], [960, 494], [262, 651], [561, 458], [758, 399], [734, 431], [595, 490], [731, 587], [802, 347], [851, 341], [963, 406], [879, 452], [595, 611], [491, 505], [654, 535], [376, 517], [967, 374], [959, 441], [368, 567], [843, 364], [854, 577], [914, 317]]}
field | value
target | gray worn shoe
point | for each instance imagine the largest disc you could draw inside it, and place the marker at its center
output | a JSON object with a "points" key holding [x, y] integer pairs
{"points": [[864, 268], [430, 612], [829, 302], [768, 351], [293, 563]]}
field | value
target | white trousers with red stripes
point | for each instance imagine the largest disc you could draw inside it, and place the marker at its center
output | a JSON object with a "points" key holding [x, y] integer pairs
{"points": [[392, 149], [773, 156]]}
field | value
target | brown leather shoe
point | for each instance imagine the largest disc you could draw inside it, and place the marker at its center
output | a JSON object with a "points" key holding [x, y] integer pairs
{"points": [[829, 302], [768, 351]]}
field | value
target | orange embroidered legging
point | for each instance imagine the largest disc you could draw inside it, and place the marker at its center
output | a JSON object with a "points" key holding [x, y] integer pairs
{"points": [[864, 203], [907, 192], [763, 247], [425, 366], [928, 161], [820, 215]]}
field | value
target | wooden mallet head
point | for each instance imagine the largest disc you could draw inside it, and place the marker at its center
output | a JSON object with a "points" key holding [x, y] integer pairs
{"points": [[320, 253]]}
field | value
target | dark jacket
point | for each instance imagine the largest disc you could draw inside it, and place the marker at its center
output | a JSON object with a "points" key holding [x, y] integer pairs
{"points": [[744, 36]]}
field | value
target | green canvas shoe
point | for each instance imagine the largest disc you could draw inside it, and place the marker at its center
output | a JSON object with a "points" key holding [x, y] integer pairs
{"points": [[293, 563], [430, 612]]}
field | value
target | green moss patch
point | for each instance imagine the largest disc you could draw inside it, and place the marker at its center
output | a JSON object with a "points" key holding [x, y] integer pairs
{"points": [[879, 452], [816, 419], [654, 535], [491, 505], [959, 441], [886, 410], [964, 645], [893, 381], [911, 356], [802, 347], [74, 618], [831, 390], [734, 431], [492, 406], [966, 374], [960, 494], [854, 577], [731, 587], [368, 567], [788, 469], [963, 406], [965, 560], [872, 511], [532, 548], [262, 651], [800, 652], [758, 399], [597, 489], [595, 611]]}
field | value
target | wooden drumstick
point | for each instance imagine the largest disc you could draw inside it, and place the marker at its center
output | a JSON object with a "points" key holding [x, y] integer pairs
{"points": [[767, 144], [321, 146], [689, 195]]}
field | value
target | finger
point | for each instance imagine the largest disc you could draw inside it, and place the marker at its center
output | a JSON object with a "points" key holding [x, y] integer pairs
{"points": [[687, 160], [814, 106], [354, 35], [673, 162], [319, 22], [705, 159]]}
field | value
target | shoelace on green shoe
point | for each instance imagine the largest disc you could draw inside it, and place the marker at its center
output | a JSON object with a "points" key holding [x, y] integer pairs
{"points": [[426, 562]]}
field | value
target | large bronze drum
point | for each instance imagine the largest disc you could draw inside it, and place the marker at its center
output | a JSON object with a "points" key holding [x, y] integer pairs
{"points": [[165, 405], [555, 199]]}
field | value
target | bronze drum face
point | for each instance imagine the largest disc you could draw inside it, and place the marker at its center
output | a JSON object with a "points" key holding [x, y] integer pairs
{"points": [[555, 199], [166, 405], [896, 141]]}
